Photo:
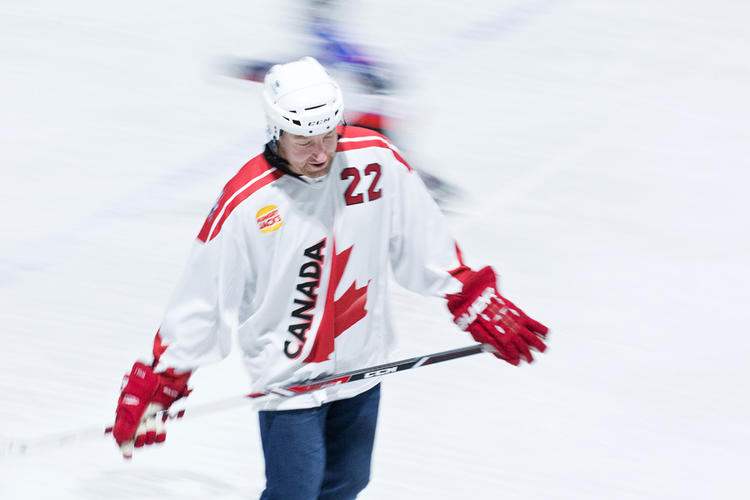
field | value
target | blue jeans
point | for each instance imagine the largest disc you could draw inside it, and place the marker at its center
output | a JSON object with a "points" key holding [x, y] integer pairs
{"points": [[320, 453]]}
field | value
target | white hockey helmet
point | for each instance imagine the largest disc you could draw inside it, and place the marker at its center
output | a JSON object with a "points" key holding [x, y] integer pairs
{"points": [[301, 98]]}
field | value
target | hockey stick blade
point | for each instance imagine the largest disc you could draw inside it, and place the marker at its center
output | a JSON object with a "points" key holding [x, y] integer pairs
{"points": [[21, 448]]}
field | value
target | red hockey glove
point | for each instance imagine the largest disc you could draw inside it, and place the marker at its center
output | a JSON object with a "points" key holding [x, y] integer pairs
{"points": [[144, 395], [492, 319]]}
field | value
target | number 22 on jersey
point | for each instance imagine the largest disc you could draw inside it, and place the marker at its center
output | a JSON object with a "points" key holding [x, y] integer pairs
{"points": [[355, 196]]}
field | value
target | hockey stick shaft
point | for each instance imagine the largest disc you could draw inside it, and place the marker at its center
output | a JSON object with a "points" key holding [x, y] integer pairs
{"points": [[373, 371], [321, 383], [286, 391]]}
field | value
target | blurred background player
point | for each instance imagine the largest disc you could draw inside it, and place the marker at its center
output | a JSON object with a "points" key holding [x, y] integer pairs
{"points": [[371, 85], [294, 260]]}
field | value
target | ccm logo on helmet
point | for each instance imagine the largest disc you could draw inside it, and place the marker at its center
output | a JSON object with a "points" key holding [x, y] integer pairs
{"points": [[377, 373], [319, 122]]}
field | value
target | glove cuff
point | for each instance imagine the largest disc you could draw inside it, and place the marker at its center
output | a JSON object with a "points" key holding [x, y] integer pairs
{"points": [[172, 386], [474, 285]]}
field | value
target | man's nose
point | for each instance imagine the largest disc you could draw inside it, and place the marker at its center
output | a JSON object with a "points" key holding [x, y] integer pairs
{"points": [[319, 151]]}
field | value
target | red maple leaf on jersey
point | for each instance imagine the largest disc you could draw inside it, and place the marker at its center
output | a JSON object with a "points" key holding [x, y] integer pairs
{"points": [[338, 315]]}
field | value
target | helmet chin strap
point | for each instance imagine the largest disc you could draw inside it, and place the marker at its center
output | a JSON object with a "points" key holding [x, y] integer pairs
{"points": [[273, 145]]}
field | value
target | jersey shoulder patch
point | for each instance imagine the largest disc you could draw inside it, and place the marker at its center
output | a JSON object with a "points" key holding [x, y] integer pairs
{"points": [[351, 137], [256, 174]]}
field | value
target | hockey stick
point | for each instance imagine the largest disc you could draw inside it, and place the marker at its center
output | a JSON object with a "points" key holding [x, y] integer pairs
{"points": [[20, 448]]}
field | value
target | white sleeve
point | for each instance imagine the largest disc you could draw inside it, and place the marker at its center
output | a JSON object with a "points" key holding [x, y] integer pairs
{"points": [[203, 312], [424, 257]]}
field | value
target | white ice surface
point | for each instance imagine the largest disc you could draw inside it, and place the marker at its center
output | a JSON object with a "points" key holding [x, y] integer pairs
{"points": [[605, 146]]}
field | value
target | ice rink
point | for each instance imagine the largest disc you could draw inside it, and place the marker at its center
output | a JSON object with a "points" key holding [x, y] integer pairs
{"points": [[605, 150]]}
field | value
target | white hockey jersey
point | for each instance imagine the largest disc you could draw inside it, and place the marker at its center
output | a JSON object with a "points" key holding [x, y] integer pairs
{"points": [[298, 269]]}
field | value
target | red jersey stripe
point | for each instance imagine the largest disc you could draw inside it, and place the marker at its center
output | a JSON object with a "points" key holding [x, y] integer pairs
{"points": [[256, 174], [358, 138], [372, 142]]}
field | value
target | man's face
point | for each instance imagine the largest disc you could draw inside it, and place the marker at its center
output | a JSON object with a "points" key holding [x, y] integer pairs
{"points": [[309, 155]]}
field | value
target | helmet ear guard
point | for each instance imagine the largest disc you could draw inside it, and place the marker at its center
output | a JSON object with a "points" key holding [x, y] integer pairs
{"points": [[301, 98]]}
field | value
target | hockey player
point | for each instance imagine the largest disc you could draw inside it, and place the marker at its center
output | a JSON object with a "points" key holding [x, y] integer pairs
{"points": [[293, 259]]}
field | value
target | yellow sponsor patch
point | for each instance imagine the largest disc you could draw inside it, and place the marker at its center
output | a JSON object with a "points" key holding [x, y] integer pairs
{"points": [[268, 218]]}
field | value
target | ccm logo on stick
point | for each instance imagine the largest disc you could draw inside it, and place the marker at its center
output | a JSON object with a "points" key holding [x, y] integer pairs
{"points": [[377, 373]]}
